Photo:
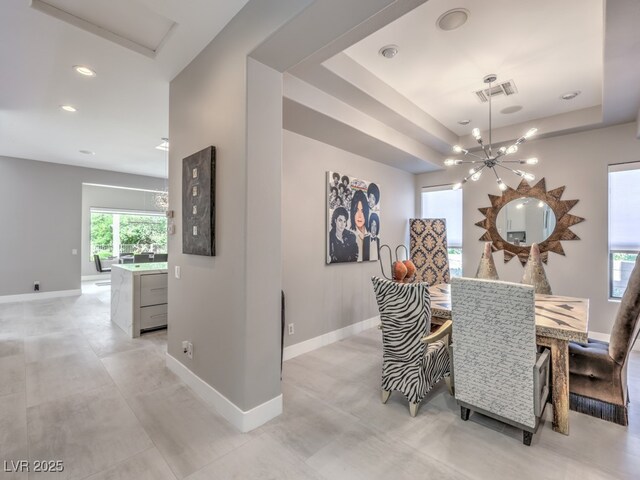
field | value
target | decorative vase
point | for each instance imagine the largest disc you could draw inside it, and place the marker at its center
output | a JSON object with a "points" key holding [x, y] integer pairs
{"points": [[534, 273], [487, 267]]}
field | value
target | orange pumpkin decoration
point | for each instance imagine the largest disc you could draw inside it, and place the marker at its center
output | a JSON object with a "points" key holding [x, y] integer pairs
{"points": [[399, 271], [411, 269]]}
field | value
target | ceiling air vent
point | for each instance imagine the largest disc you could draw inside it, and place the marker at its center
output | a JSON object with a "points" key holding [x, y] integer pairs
{"points": [[504, 88]]}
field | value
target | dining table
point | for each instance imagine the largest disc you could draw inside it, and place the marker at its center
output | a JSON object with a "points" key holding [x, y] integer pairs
{"points": [[559, 320]]}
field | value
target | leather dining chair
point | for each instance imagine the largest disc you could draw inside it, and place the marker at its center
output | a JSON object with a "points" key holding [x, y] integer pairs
{"points": [[598, 370], [99, 267]]}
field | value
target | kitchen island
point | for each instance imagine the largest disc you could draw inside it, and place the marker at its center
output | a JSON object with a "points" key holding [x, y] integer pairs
{"points": [[139, 297]]}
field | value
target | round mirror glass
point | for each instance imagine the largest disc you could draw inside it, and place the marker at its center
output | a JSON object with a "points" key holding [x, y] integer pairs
{"points": [[525, 220]]}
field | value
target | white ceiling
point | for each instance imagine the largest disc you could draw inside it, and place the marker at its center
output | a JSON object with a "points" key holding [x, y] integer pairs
{"points": [[122, 112], [546, 47]]}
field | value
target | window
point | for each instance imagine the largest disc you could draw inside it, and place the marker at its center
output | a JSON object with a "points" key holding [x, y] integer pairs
{"points": [[624, 224], [118, 232], [444, 202]]}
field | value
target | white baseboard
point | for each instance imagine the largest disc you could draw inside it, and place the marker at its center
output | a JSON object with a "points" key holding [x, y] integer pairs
{"points": [[27, 297], [90, 278], [243, 421], [328, 338], [605, 337]]}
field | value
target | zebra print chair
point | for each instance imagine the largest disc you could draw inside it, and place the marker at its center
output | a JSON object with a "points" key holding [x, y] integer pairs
{"points": [[412, 361]]}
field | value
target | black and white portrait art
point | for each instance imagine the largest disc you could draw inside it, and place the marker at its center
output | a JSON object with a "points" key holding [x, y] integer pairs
{"points": [[353, 219]]}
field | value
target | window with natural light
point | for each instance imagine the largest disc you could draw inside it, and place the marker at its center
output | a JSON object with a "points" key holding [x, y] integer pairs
{"points": [[444, 202], [624, 224], [116, 232]]}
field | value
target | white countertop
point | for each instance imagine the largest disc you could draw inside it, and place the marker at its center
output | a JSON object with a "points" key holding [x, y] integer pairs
{"points": [[152, 267]]}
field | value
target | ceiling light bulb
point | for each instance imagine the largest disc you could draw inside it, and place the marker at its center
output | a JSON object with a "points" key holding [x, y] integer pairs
{"points": [[86, 71], [520, 205], [531, 161], [457, 186], [502, 150], [457, 148], [530, 133], [476, 133], [450, 162], [476, 176], [501, 185], [68, 108], [512, 149], [529, 177], [473, 170]]}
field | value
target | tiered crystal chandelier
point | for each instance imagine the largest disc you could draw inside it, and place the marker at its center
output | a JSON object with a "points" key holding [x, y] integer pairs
{"points": [[492, 160]]}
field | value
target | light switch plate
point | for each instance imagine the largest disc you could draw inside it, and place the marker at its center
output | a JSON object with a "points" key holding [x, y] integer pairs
{"points": [[177, 271], [74, 251]]}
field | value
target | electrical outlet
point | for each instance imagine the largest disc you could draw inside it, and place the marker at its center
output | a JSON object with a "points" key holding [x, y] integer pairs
{"points": [[36, 286], [291, 329], [190, 350], [185, 346]]}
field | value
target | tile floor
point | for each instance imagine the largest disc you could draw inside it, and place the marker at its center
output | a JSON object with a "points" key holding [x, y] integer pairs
{"points": [[75, 388]]}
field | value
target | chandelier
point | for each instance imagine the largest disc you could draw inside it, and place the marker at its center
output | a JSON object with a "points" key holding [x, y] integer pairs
{"points": [[162, 198], [492, 159]]}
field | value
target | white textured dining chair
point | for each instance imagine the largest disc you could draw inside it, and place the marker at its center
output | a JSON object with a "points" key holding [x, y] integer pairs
{"points": [[497, 370]]}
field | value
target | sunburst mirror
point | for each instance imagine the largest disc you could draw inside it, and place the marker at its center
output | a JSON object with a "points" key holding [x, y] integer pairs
{"points": [[525, 215]]}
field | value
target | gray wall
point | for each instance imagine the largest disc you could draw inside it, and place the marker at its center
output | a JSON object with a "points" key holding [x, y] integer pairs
{"points": [[580, 162], [42, 210], [321, 298], [106, 197], [218, 303]]}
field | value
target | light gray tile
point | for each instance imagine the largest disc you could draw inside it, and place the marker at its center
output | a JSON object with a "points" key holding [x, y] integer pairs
{"points": [[307, 424], [262, 458], [108, 339], [137, 371], [62, 376], [12, 375], [11, 345], [46, 347], [13, 433], [361, 453], [187, 433], [148, 465], [89, 432]]}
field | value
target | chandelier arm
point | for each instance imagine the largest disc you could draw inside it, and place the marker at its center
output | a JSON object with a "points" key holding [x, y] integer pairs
{"points": [[474, 155], [507, 168]]}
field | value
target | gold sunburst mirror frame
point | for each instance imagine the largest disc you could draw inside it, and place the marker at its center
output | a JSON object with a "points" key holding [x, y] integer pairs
{"points": [[553, 198]]}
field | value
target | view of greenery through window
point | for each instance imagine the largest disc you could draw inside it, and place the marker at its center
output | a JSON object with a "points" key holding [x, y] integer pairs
{"points": [[621, 264], [135, 234]]}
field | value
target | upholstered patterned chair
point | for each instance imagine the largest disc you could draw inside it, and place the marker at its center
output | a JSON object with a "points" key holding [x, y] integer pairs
{"points": [[413, 362], [429, 249], [598, 370], [498, 371]]}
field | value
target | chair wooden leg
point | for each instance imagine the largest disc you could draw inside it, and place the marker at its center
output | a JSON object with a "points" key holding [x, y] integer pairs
{"points": [[385, 395], [449, 385], [464, 413], [527, 437], [413, 408]]}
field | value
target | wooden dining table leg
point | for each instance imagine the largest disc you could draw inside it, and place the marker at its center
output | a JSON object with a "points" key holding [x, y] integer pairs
{"points": [[560, 384]]}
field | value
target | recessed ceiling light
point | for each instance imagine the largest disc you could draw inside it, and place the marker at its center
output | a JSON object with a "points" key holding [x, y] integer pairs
{"points": [[388, 51], [87, 152], [570, 95], [452, 19], [86, 71], [68, 108], [511, 109], [464, 122]]}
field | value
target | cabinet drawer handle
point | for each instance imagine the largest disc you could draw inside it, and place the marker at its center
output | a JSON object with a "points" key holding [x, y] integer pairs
{"points": [[158, 315], [159, 288]]}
